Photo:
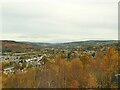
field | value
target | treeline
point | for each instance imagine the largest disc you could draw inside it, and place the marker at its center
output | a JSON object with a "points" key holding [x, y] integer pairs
{"points": [[80, 72]]}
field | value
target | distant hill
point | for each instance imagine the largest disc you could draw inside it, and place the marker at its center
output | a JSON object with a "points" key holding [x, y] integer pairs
{"points": [[93, 42], [16, 46]]}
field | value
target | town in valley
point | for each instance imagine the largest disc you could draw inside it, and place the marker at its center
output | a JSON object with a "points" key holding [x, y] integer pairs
{"points": [[83, 64]]}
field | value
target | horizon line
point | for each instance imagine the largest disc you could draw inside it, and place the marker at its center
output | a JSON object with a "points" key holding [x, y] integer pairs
{"points": [[60, 41]]}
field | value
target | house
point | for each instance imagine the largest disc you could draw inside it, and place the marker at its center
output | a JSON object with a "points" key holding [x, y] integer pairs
{"points": [[8, 70], [41, 60]]}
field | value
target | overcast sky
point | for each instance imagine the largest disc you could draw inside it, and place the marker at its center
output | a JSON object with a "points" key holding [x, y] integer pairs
{"points": [[59, 20]]}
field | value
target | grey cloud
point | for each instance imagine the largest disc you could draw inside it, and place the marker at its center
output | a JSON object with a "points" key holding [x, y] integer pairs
{"points": [[66, 21]]}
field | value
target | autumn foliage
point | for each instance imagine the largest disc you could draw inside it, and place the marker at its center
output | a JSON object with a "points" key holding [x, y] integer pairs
{"points": [[80, 72]]}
